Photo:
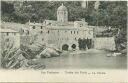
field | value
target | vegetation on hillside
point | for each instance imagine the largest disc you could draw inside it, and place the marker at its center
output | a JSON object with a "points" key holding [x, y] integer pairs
{"points": [[109, 13]]}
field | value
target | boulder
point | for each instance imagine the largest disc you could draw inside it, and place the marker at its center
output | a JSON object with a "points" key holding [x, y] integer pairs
{"points": [[48, 52]]}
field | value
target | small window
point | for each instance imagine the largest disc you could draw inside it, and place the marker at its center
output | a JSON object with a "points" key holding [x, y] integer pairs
{"points": [[7, 33], [28, 32], [33, 27], [75, 39], [41, 27], [41, 32], [71, 32], [49, 23], [77, 32], [7, 40], [14, 33], [74, 32], [48, 32]]}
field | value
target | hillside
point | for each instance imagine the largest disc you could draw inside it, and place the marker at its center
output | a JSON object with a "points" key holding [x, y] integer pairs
{"points": [[109, 13]]}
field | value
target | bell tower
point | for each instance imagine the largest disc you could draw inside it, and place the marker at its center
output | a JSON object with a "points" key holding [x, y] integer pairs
{"points": [[62, 14]]}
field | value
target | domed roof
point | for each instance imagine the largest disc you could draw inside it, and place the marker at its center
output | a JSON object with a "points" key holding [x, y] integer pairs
{"points": [[62, 8]]}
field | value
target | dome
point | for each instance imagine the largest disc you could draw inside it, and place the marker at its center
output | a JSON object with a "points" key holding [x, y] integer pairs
{"points": [[62, 8]]}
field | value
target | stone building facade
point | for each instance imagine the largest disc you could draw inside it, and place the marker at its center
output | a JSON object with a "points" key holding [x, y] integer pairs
{"points": [[61, 33]]}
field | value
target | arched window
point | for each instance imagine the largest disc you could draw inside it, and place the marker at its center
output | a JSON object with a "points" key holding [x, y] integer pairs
{"points": [[71, 32]]}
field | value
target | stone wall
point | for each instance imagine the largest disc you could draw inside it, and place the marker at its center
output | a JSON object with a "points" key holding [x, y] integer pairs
{"points": [[104, 43]]}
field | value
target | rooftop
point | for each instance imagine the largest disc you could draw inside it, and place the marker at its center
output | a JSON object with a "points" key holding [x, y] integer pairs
{"points": [[69, 27], [62, 8], [7, 30], [35, 24]]}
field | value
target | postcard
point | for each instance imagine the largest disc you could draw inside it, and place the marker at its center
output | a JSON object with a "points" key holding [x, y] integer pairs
{"points": [[63, 41]]}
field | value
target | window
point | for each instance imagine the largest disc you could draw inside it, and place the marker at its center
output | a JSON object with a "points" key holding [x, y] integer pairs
{"points": [[41, 27], [71, 32], [28, 32], [77, 32], [14, 33], [49, 23], [33, 27], [7, 40], [48, 32], [74, 32], [81, 25], [75, 39], [41, 32], [7, 33]]}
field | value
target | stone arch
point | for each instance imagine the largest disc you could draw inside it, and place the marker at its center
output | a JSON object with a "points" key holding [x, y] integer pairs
{"points": [[65, 47]]}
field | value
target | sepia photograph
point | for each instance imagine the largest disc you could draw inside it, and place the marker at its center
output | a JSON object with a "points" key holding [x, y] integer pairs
{"points": [[63, 35]]}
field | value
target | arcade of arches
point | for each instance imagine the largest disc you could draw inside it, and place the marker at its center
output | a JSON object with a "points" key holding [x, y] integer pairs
{"points": [[83, 44]]}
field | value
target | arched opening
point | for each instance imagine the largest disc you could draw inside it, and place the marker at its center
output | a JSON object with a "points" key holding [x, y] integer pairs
{"points": [[65, 47], [73, 46]]}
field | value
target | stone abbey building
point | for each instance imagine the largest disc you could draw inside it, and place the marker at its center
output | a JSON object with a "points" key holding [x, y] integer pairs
{"points": [[62, 33]]}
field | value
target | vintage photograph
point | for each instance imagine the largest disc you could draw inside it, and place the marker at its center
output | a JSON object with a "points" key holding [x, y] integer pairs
{"points": [[63, 35]]}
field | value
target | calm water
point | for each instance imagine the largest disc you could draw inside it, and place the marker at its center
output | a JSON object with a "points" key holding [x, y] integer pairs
{"points": [[93, 59]]}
